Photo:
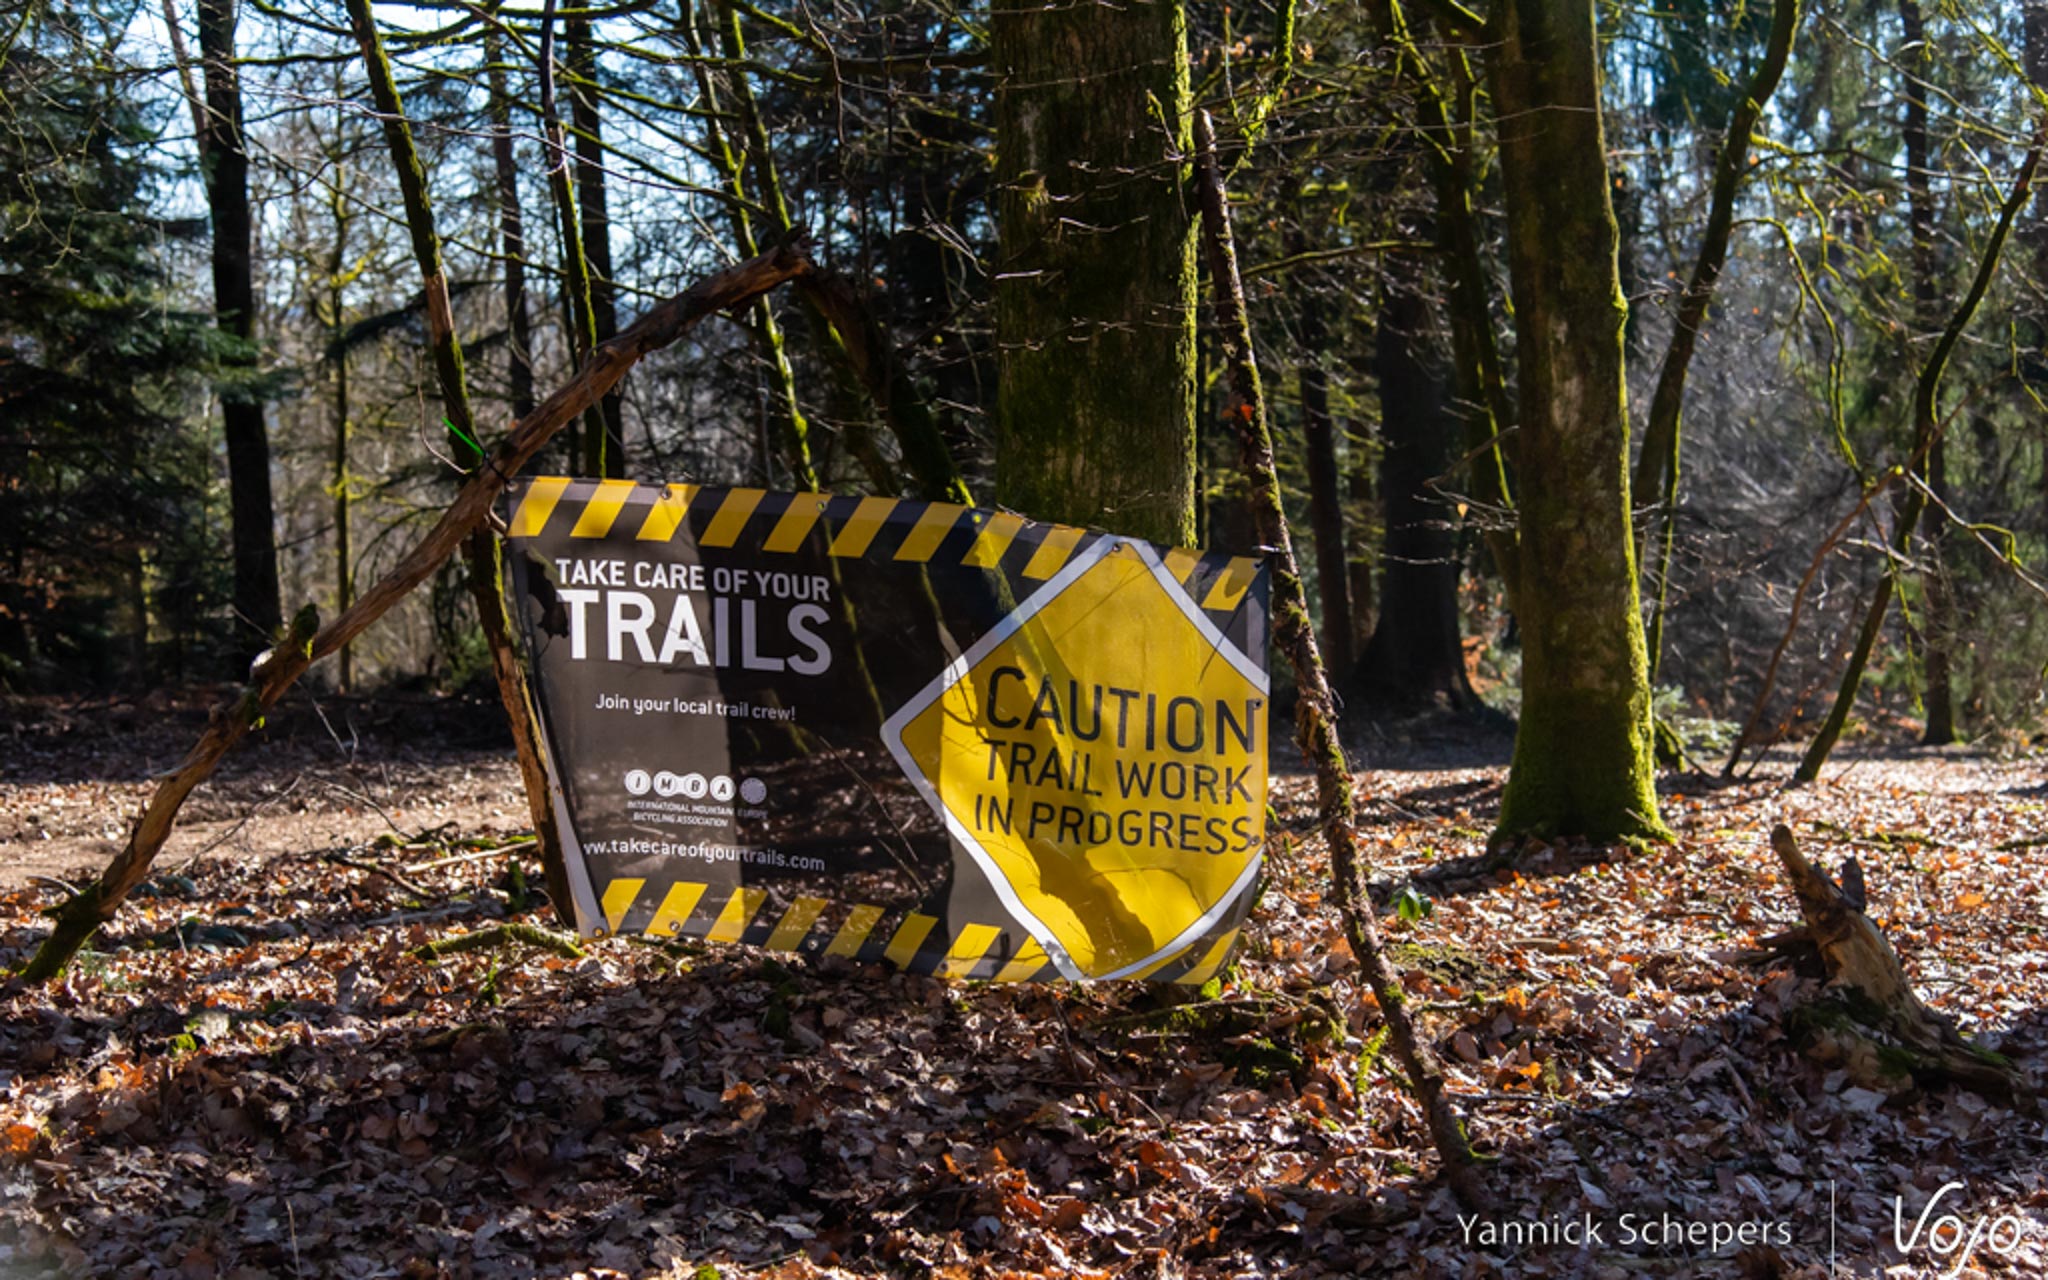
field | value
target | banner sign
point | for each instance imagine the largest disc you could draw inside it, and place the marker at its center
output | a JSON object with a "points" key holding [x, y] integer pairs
{"points": [[943, 737]]}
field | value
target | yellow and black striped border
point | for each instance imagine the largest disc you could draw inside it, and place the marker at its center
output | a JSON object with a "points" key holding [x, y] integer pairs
{"points": [[860, 931], [894, 529], [874, 529]]}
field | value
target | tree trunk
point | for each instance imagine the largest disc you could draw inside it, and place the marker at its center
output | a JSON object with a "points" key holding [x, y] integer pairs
{"points": [[1325, 503], [582, 323], [337, 326], [1415, 658], [604, 452], [344, 579], [1582, 762], [1095, 289], [1361, 487], [1444, 109], [1937, 697], [511, 232], [226, 167]]}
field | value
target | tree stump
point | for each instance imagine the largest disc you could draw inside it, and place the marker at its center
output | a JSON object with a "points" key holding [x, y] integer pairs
{"points": [[1867, 1019]]}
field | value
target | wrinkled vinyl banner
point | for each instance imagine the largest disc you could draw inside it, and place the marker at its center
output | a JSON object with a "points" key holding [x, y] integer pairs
{"points": [[948, 738]]}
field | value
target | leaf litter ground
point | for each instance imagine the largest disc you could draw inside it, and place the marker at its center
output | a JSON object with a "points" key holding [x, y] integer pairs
{"points": [[253, 1075]]}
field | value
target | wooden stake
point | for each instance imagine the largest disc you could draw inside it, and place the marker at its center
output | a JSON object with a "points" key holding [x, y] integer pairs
{"points": [[1315, 717]]}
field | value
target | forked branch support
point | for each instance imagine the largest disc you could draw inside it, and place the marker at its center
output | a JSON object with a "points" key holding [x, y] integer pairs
{"points": [[306, 643]]}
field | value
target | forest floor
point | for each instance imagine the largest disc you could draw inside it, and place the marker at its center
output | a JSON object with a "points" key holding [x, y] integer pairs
{"points": [[253, 1076]]}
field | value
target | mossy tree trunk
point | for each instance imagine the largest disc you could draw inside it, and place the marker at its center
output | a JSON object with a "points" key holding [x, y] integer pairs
{"points": [[1095, 284], [1582, 762], [225, 165]]}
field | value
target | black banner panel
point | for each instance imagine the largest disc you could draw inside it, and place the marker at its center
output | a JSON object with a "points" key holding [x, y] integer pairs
{"points": [[946, 738]]}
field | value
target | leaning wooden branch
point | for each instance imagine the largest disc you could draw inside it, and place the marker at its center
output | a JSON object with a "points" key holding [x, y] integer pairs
{"points": [[1869, 1021], [275, 671], [1315, 720]]}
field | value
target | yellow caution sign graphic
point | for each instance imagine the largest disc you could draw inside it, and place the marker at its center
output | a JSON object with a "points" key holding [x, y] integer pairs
{"points": [[1101, 755]]}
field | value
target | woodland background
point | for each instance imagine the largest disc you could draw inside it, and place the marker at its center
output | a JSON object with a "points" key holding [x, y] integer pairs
{"points": [[689, 135], [1659, 383]]}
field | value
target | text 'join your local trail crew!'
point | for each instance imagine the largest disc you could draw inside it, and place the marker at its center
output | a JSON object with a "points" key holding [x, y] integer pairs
{"points": [[944, 738]]}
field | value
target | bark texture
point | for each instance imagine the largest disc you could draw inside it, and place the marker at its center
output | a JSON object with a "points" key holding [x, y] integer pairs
{"points": [[1095, 288], [1582, 762]]}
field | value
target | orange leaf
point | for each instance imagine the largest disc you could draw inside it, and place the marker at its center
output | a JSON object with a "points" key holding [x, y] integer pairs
{"points": [[20, 1139]]}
